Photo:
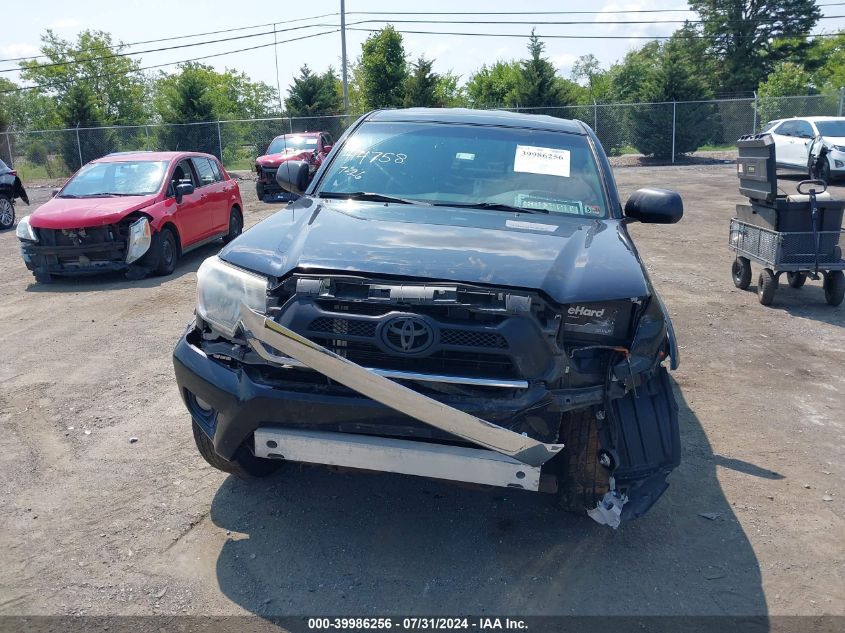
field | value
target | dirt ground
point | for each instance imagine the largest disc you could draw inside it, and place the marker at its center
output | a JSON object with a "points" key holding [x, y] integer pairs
{"points": [[94, 524]]}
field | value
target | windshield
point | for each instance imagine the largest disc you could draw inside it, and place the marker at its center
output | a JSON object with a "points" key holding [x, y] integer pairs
{"points": [[469, 165], [289, 144], [831, 128], [129, 178]]}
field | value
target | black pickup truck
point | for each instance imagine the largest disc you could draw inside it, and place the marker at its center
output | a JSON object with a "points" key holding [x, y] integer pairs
{"points": [[454, 295]]}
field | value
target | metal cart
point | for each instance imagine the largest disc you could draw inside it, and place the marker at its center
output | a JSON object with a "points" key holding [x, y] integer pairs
{"points": [[797, 235]]}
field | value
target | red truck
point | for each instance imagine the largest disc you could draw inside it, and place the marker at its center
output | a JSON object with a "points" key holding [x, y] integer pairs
{"points": [[311, 147]]}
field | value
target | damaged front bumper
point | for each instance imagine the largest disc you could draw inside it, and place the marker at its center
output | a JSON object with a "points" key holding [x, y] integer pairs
{"points": [[87, 251], [379, 424]]}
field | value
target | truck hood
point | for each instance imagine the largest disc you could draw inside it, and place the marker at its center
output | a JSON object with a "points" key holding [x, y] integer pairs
{"points": [[274, 160], [570, 259], [76, 213]]}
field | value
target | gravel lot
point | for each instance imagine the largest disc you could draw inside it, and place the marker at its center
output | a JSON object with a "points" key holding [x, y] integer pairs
{"points": [[94, 524]]}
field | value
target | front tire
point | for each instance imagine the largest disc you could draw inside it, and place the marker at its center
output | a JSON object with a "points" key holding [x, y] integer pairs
{"points": [[236, 225], [245, 465], [259, 191], [741, 273], [7, 213], [582, 481], [834, 287], [766, 286], [166, 252]]}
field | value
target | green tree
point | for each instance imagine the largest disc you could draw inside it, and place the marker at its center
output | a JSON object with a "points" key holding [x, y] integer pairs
{"points": [[586, 68], [786, 80], [421, 85], [539, 85], [825, 59], [449, 92], [628, 75], [495, 86], [314, 95], [668, 78], [382, 70], [79, 108], [186, 98], [117, 86], [197, 92], [744, 34]]}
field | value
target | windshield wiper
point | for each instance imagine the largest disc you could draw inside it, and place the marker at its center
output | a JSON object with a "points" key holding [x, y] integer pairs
{"points": [[496, 206], [370, 196], [107, 194]]}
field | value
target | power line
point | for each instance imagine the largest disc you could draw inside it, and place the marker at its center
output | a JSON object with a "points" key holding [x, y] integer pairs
{"points": [[175, 37], [183, 61], [479, 13], [582, 37], [168, 48], [614, 12], [566, 22], [359, 22]]}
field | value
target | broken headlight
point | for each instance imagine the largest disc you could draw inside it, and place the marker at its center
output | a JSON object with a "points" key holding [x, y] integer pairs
{"points": [[606, 322], [24, 231], [222, 288], [139, 240]]}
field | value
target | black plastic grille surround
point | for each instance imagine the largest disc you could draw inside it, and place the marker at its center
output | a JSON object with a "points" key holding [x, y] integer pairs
{"points": [[454, 339]]}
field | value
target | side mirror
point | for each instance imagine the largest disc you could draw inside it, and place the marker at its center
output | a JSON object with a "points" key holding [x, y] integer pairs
{"points": [[55, 193], [183, 189], [655, 206], [292, 176], [327, 148]]}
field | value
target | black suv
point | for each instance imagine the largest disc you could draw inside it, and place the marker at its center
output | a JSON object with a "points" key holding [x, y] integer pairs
{"points": [[11, 187], [455, 295]]}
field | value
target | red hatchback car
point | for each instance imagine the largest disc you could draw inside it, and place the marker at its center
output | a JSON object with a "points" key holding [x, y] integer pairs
{"points": [[132, 211], [311, 147]]}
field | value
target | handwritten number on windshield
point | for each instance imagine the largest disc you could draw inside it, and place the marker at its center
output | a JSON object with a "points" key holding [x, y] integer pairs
{"points": [[380, 157]]}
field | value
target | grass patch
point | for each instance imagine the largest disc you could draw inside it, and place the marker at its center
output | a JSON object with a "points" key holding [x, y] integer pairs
{"points": [[624, 149], [716, 148]]}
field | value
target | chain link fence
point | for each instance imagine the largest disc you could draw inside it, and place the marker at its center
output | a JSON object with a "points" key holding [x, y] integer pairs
{"points": [[663, 130]]}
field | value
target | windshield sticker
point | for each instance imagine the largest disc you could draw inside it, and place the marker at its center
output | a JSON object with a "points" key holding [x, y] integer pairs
{"points": [[549, 161], [572, 207], [531, 226], [307, 140], [464, 156], [592, 209]]}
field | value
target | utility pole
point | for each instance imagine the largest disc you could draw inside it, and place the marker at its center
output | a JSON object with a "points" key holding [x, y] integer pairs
{"points": [[278, 83], [343, 55]]}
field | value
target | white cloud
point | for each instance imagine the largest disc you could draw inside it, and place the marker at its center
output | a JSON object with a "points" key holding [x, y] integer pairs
{"points": [[18, 50], [610, 15], [64, 24], [563, 62]]}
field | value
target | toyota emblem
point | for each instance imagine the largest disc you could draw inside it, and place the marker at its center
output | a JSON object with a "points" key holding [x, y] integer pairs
{"points": [[408, 334]]}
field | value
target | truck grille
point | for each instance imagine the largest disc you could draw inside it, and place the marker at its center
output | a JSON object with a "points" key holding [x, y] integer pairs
{"points": [[451, 362], [445, 329], [367, 329]]}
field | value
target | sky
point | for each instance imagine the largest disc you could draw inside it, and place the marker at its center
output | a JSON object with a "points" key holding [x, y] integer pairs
{"points": [[154, 19]]}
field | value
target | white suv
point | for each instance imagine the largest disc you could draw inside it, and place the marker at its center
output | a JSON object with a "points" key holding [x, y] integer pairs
{"points": [[794, 138]]}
